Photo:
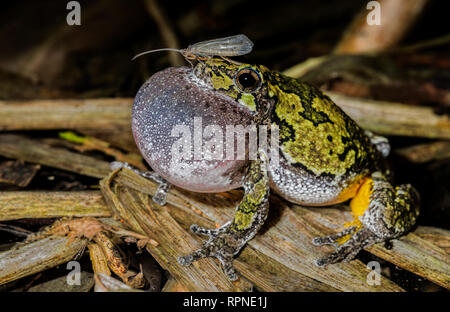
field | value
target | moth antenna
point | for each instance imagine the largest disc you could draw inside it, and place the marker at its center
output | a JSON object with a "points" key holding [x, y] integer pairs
{"points": [[157, 50]]}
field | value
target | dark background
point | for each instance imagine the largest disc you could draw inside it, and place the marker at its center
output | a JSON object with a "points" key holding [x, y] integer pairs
{"points": [[39, 49]]}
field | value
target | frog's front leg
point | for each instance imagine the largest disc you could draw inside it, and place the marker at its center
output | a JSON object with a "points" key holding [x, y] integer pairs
{"points": [[163, 186], [381, 143], [226, 242], [381, 213]]}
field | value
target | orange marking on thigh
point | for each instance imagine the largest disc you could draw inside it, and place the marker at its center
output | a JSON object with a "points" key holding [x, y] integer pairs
{"points": [[359, 205], [361, 201], [351, 190]]}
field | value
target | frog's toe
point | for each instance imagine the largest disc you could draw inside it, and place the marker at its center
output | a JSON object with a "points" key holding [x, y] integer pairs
{"points": [[196, 229], [333, 238], [196, 255], [225, 260], [160, 197], [117, 165], [217, 248], [340, 255], [199, 230], [228, 268], [351, 247], [186, 260], [206, 251]]}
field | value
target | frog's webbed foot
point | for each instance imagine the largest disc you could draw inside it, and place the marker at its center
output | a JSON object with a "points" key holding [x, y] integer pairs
{"points": [[222, 244], [359, 238], [163, 186], [225, 242], [381, 213]]}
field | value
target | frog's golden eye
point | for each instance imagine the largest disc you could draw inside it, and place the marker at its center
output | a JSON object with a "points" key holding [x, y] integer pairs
{"points": [[247, 80]]}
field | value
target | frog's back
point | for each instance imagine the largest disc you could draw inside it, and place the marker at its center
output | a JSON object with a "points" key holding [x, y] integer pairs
{"points": [[323, 152]]}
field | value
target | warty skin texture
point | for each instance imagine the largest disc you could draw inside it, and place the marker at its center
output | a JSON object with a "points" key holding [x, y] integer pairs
{"points": [[324, 156]]}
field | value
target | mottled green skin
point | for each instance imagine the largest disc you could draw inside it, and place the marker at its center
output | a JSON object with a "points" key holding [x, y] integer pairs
{"points": [[315, 133], [320, 144], [304, 115]]}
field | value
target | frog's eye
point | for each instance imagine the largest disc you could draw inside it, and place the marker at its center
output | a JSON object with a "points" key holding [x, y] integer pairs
{"points": [[247, 79]]}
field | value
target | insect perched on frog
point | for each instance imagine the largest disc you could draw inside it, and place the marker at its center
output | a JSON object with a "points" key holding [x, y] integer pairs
{"points": [[325, 158], [229, 46]]}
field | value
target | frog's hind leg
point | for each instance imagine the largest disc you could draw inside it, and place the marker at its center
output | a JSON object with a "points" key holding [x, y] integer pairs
{"points": [[226, 242], [381, 213]]}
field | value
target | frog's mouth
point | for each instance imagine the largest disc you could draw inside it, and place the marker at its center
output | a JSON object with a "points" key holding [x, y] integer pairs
{"points": [[172, 109]]}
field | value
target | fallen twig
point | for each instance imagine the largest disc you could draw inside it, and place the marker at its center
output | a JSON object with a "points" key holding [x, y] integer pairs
{"points": [[83, 144], [394, 118], [106, 283], [42, 204], [172, 285], [98, 259], [34, 257], [17, 173], [425, 152], [383, 117], [107, 119], [20, 147]]}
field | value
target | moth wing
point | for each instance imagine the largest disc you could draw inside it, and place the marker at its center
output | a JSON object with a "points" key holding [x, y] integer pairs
{"points": [[228, 46]]}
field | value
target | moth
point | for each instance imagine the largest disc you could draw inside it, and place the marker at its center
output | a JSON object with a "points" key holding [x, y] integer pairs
{"points": [[224, 47]]}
